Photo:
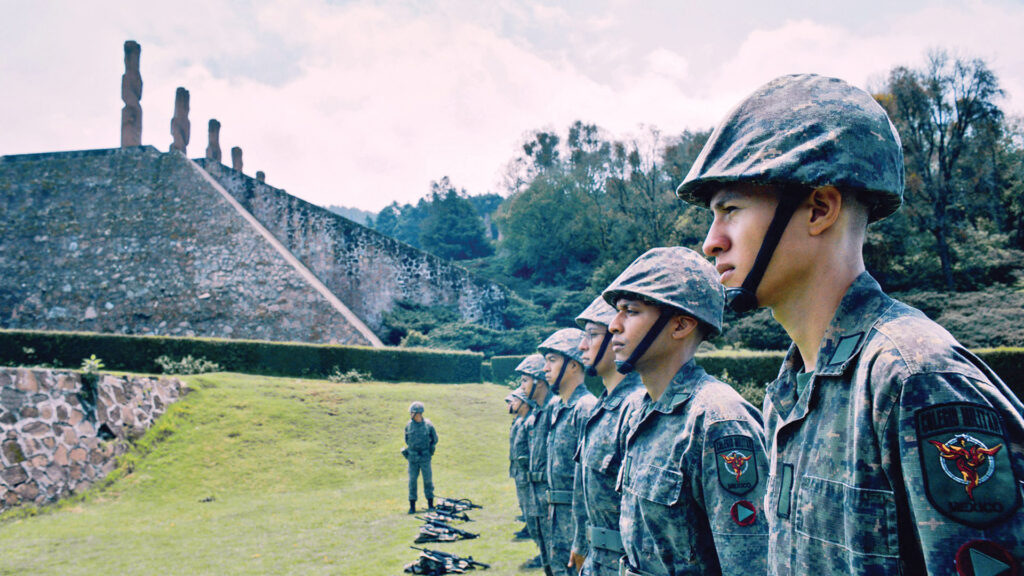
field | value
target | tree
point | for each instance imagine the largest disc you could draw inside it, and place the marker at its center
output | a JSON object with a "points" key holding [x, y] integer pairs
{"points": [[453, 228], [949, 122]]}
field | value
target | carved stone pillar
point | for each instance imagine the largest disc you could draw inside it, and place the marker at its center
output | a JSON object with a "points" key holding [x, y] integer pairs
{"points": [[131, 94], [180, 126], [236, 158], [213, 148], [260, 176]]}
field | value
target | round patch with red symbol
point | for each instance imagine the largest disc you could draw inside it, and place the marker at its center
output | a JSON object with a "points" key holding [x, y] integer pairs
{"points": [[985, 558], [743, 513]]}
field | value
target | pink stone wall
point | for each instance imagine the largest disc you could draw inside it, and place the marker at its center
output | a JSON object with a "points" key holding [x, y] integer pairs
{"points": [[51, 446]]}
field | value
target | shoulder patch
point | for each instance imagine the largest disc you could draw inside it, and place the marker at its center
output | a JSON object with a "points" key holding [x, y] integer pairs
{"points": [[736, 464], [985, 558], [965, 462]]}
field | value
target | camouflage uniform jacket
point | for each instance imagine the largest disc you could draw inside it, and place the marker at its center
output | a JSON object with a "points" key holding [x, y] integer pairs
{"points": [[421, 438], [515, 434], [597, 468], [538, 423], [904, 453], [693, 479], [567, 420]]}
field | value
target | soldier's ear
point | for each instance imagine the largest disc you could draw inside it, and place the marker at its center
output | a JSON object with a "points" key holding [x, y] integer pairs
{"points": [[825, 203], [682, 326]]}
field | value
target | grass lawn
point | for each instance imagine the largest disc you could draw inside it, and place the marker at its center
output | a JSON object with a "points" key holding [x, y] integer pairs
{"points": [[257, 475]]}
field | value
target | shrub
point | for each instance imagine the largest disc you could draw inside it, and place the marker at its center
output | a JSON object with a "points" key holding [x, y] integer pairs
{"points": [[351, 376], [187, 365]]}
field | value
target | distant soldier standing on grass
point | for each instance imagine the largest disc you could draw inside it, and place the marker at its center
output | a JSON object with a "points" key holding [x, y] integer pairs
{"points": [[598, 545], [420, 441], [563, 364], [893, 449]]}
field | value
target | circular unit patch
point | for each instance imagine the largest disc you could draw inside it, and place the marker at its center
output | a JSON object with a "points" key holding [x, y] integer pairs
{"points": [[743, 513], [985, 558]]}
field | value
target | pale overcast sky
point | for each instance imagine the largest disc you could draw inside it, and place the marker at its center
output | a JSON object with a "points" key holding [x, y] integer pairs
{"points": [[361, 103]]}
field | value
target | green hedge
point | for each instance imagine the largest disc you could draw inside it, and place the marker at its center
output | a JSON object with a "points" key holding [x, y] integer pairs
{"points": [[503, 368], [138, 354]]}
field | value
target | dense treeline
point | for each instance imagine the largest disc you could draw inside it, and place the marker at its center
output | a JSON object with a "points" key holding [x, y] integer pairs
{"points": [[580, 205]]}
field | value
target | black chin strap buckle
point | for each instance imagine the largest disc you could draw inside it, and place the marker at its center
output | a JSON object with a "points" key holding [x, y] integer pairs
{"points": [[740, 300]]}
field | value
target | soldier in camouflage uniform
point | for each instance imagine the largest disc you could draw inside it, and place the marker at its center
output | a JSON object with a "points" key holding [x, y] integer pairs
{"points": [[529, 370], [535, 461], [520, 408], [598, 545], [893, 449], [693, 476], [563, 364], [420, 442]]}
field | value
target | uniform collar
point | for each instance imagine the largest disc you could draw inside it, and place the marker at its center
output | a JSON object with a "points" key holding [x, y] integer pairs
{"points": [[578, 393], [679, 390], [861, 307], [623, 389]]}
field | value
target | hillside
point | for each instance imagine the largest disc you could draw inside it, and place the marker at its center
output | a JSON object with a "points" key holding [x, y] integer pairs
{"points": [[281, 476]]}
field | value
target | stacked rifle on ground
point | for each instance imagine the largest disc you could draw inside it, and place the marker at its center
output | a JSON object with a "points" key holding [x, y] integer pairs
{"points": [[438, 527]]}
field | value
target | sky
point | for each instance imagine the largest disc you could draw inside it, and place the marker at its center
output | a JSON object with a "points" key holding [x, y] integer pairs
{"points": [[364, 103]]}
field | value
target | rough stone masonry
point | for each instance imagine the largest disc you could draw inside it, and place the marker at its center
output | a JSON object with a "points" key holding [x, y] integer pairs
{"points": [[53, 443]]}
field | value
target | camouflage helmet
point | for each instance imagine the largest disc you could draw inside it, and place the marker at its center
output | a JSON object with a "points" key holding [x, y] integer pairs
{"points": [[599, 312], [676, 277], [532, 366], [807, 131], [565, 342], [416, 407]]}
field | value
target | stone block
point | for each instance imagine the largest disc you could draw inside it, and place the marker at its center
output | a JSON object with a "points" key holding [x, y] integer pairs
{"points": [[78, 454], [26, 381], [36, 428], [14, 475], [68, 382], [11, 453], [60, 456], [27, 491]]}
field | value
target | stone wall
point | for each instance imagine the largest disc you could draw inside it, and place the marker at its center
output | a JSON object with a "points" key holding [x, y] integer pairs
{"points": [[367, 270], [135, 241], [53, 444]]}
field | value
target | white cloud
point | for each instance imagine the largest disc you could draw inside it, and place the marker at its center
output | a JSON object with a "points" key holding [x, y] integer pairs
{"points": [[363, 103]]}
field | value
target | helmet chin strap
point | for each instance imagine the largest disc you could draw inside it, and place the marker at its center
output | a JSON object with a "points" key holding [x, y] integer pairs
{"points": [[561, 372], [592, 368], [743, 299], [630, 364]]}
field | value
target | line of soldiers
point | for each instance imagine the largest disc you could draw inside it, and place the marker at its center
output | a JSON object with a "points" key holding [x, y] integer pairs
{"points": [[884, 447]]}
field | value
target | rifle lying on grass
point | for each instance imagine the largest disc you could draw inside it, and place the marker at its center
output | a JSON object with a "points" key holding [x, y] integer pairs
{"points": [[454, 505], [447, 516], [437, 563], [441, 531]]}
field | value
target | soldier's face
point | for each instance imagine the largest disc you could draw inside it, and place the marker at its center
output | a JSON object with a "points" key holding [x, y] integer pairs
{"points": [[552, 365], [418, 417], [630, 325], [742, 216], [593, 336]]}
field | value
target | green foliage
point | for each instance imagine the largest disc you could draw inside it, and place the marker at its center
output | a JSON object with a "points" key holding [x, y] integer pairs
{"points": [[986, 319], [753, 331], [453, 229], [503, 368], [348, 377], [139, 353], [92, 364], [406, 317], [186, 365], [477, 338]]}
